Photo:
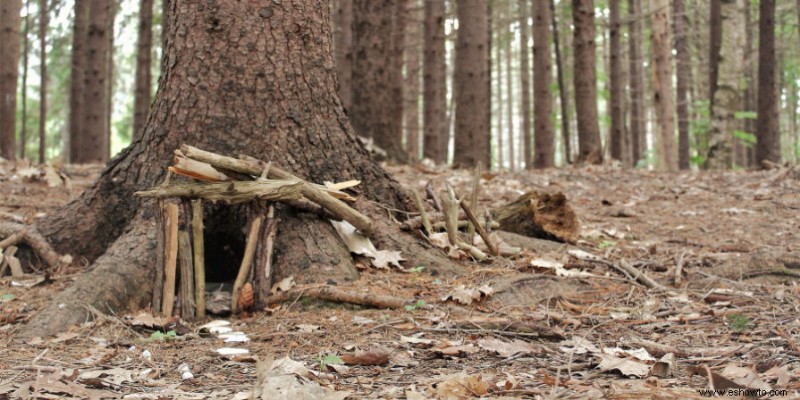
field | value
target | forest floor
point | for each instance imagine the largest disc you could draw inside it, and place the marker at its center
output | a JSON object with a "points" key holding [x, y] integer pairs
{"points": [[547, 323]]}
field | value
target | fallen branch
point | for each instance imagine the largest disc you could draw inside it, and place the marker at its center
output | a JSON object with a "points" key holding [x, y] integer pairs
{"points": [[232, 192], [16, 233], [328, 293]]}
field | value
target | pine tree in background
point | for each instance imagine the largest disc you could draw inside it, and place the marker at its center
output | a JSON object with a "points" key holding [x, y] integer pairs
{"points": [[566, 138], [589, 150], [434, 76], [542, 78], [10, 22], [684, 76], [616, 84], [43, 21], [80, 26], [144, 49], [636, 77], [664, 105], [768, 145], [525, 85]]}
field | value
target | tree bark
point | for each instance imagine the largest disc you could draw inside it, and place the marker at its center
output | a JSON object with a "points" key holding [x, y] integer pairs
{"points": [[228, 72], [343, 49], [666, 154], [636, 77], [726, 73], [399, 22], [412, 79], [684, 73], [109, 80], [768, 145], [472, 140], [434, 76], [144, 49], [512, 158], [9, 71], [500, 29], [23, 130], [589, 148], [525, 85], [80, 28], [562, 89], [43, 17], [375, 75], [93, 139], [617, 87], [542, 77]]}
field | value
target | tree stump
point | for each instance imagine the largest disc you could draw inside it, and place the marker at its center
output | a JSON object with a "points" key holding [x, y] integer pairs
{"points": [[540, 215]]}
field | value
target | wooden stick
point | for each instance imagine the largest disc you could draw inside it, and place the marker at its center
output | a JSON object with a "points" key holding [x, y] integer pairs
{"points": [[161, 256], [263, 278], [198, 251], [329, 293], [232, 192], [16, 233], [168, 299], [247, 261], [187, 293], [486, 238], [450, 204], [638, 275], [473, 199], [422, 213], [437, 204], [309, 191]]}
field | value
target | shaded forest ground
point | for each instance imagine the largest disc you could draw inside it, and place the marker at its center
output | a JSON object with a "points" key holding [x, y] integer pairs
{"points": [[732, 314]]}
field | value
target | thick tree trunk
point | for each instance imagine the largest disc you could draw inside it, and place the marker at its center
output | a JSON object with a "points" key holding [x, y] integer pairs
{"points": [[542, 77], [375, 76], [43, 21], [562, 88], [726, 92], [666, 155], [218, 91], [684, 73], [768, 145], [144, 49], [472, 140], [80, 28], [93, 138], [434, 76], [512, 159], [636, 77], [589, 147], [343, 49], [617, 87], [9, 71], [525, 85]]}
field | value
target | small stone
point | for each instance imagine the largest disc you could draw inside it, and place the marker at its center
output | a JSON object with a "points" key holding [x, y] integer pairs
{"points": [[265, 12]]}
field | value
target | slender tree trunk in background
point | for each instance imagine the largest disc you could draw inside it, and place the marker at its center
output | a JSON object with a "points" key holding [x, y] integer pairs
{"points": [[343, 49], [589, 147], [562, 88], [684, 70], [636, 77], [726, 94], [768, 145], [744, 153], [23, 134], [9, 71], [661, 41], [473, 137], [434, 77], [109, 81], [542, 77], [699, 9], [500, 28], [78, 67], [617, 87], [793, 128], [43, 22], [399, 22], [512, 156], [143, 84], [412, 78], [93, 136], [525, 85], [374, 109]]}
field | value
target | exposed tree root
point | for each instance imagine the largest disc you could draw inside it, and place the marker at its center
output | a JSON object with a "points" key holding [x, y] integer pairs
{"points": [[16, 233]]}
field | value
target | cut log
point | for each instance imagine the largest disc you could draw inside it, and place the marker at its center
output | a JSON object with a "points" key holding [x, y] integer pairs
{"points": [[540, 215]]}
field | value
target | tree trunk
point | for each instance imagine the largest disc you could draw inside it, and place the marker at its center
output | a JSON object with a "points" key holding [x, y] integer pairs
{"points": [[9, 71], [93, 138], [343, 49], [542, 77], [666, 155], [512, 159], [144, 49], [43, 16], [589, 147], [412, 79], [726, 73], [434, 78], [500, 28], [80, 29], [636, 77], [399, 22], [472, 140], [684, 71], [23, 131], [525, 85], [617, 87], [562, 88], [109, 80], [375, 75], [212, 76], [768, 145]]}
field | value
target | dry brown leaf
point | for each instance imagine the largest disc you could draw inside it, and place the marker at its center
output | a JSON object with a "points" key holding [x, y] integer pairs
{"points": [[462, 386], [507, 349], [625, 366]]}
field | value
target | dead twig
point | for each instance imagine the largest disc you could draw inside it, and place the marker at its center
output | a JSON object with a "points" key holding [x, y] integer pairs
{"points": [[328, 293]]}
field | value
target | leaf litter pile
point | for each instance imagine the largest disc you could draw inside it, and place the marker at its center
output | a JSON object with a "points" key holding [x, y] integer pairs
{"points": [[677, 283]]}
